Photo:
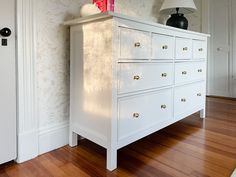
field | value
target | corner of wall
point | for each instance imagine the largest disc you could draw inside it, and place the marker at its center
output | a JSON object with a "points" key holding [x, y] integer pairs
{"points": [[32, 141]]}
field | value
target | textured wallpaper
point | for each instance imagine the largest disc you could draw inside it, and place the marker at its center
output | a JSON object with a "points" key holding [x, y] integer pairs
{"points": [[52, 63]]}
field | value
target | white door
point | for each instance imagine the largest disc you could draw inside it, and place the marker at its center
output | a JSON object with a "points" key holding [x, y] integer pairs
{"points": [[8, 82], [219, 63]]}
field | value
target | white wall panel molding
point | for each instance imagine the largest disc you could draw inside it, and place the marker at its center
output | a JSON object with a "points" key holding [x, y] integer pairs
{"points": [[53, 137], [206, 29], [27, 117]]}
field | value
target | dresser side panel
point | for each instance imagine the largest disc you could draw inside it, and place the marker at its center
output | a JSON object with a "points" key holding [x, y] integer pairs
{"points": [[91, 80]]}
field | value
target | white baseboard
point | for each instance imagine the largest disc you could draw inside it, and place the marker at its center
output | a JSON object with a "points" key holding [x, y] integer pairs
{"points": [[33, 143], [27, 146], [53, 137]]}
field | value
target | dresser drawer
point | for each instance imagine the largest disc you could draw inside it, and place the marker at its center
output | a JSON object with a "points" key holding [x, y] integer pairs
{"points": [[162, 46], [187, 72], [199, 49], [143, 111], [199, 70], [134, 44], [140, 76], [188, 97], [183, 48]]}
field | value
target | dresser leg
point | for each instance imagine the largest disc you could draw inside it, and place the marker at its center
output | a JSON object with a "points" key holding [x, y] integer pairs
{"points": [[203, 113], [111, 159], [73, 139]]}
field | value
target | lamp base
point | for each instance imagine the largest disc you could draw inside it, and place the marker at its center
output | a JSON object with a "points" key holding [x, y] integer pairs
{"points": [[178, 20]]}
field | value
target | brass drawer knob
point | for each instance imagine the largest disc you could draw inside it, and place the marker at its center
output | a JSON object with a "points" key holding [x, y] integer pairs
{"points": [[137, 44], [184, 72], [199, 70], [163, 106], [164, 47], [136, 77], [135, 115], [200, 50], [185, 48], [164, 75], [199, 94], [183, 100]]}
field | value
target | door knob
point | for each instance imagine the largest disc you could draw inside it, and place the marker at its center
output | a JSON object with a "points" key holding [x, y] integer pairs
{"points": [[5, 32], [219, 49]]}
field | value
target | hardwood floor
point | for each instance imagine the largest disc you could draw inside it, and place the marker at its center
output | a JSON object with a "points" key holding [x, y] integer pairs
{"points": [[190, 148]]}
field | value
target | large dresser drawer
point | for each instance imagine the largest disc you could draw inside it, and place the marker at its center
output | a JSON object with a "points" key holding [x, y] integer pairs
{"points": [[163, 46], [188, 97], [135, 44], [199, 49], [140, 76], [140, 112], [183, 48], [187, 72]]}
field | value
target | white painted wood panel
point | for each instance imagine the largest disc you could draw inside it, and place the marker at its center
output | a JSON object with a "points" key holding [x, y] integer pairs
{"points": [[8, 84], [183, 48], [199, 49], [189, 71], [140, 76], [134, 44], [91, 72], [163, 46], [188, 97], [141, 112]]}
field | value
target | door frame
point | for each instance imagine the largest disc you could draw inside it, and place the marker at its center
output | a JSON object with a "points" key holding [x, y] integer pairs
{"points": [[27, 118], [206, 29]]}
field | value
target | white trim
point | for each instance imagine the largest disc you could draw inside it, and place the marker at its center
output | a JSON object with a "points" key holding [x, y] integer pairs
{"points": [[233, 34], [27, 146], [27, 117], [231, 59], [53, 137], [206, 29]]}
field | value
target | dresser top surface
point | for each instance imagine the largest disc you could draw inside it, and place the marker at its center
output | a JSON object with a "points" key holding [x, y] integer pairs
{"points": [[109, 14]]}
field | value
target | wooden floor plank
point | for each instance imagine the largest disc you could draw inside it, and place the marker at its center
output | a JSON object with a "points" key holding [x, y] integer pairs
{"points": [[192, 147]]}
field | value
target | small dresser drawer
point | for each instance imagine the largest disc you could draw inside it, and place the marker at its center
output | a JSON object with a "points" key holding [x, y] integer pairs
{"points": [[199, 70], [134, 44], [183, 48], [187, 72], [140, 112], [140, 76], [162, 46], [199, 49], [188, 97]]}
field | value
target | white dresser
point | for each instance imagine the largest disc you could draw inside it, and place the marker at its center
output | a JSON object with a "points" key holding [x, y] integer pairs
{"points": [[130, 78]]}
